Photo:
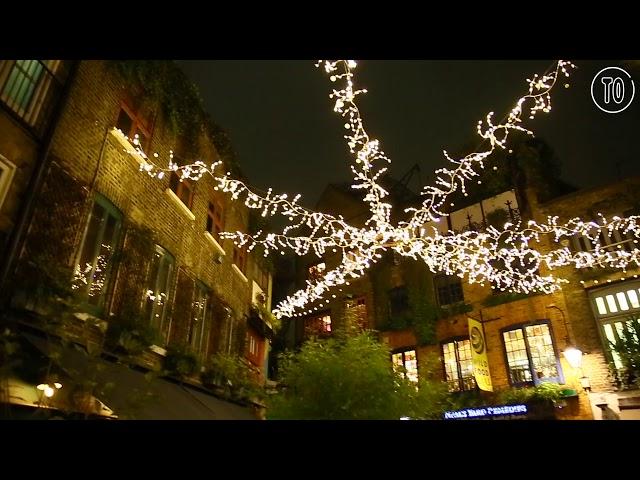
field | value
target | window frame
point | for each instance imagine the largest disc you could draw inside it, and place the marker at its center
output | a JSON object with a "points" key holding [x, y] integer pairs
{"points": [[405, 373], [319, 317], [449, 279], [535, 380], [198, 338], [139, 123], [254, 338], [163, 325], [215, 225], [109, 210], [240, 258], [460, 379]]}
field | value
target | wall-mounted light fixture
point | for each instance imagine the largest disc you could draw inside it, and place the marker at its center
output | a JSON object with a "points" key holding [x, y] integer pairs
{"points": [[572, 353]]}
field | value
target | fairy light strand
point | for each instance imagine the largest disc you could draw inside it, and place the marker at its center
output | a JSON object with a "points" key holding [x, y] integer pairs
{"points": [[517, 258]]}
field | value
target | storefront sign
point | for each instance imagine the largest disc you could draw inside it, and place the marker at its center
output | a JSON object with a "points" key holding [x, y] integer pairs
{"points": [[486, 412]]}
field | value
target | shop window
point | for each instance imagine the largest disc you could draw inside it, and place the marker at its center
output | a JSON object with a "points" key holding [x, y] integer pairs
{"points": [[531, 355], [318, 325], [458, 365], [406, 362]]}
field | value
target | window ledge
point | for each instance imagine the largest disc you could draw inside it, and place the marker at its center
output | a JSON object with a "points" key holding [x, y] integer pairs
{"points": [[159, 350], [181, 206], [215, 243], [239, 272], [128, 146]]}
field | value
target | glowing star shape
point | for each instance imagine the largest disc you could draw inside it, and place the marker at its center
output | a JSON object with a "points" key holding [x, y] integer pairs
{"points": [[505, 258]]}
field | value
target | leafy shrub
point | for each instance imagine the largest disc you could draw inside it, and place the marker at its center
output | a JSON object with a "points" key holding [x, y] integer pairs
{"points": [[627, 348], [180, 361]]}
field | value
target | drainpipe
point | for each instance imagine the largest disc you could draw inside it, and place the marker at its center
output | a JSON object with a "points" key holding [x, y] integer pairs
{"points": [[33, 189]]}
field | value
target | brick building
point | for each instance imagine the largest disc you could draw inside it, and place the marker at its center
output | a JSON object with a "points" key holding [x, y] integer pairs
{"points": [[421, 315], [140, 258]]}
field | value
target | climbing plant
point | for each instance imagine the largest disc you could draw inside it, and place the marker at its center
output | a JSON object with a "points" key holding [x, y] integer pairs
{"points": [[161, 83]]}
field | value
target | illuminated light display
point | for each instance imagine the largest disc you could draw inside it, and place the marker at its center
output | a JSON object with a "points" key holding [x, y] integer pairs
{"points": [[517, 258]]}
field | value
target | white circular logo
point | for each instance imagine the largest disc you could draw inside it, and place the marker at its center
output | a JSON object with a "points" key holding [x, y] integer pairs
{"points": [[612, 89]]}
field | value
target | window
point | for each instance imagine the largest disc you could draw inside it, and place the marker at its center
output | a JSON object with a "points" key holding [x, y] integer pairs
{"points": [[7, 169], [199, 332], [215, 219], [316, 271], [531, 357], [358, 308], [613, 307], [254, 351], [449, 289], [30, 89], [407, 363], [458, 365], [132, 124], [183, 188], [318, 326], [240, 258], [398, 300], [93, 265], [158, 290]]}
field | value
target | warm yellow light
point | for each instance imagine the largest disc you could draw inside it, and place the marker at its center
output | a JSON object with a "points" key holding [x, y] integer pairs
{"points": [[573, 356]]}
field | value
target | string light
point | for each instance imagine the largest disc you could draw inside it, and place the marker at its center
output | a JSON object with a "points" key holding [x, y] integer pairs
{"points": [[516, 258]]}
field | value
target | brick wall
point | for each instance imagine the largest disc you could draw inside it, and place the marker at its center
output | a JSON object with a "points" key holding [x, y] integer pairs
{"points": [[87, 150]]}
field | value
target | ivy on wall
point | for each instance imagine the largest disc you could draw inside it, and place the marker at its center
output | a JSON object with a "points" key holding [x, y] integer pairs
{"points": [[162, 83]]}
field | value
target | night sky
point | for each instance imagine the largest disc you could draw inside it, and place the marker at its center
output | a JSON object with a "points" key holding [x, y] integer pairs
{"points": [[282, 124]]}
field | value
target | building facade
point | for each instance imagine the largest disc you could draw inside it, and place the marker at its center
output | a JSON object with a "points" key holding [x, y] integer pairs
{"points": [[421, 315], [127, 259]]}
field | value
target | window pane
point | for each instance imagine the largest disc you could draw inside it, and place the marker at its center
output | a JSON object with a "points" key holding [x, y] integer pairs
{"points": [[158, 287], [633, 298], [466, 364], [622, 300], [411, 365], [602, 309], [517, 358], [451, 367], [613, 308], [608, 330], [199, 316], [542, 354]]}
